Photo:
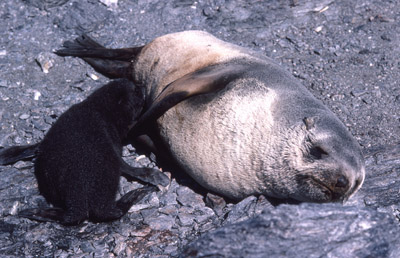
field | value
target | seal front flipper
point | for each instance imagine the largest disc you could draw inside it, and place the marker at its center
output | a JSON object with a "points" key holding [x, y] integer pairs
{"points": [[148, 175], [206, 80], [134, 196], [13, 154], [113, 63], [122, 206]]}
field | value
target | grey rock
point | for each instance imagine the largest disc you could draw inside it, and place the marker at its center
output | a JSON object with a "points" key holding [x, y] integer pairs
{"points": [[204, 215], [308, 230], [381, 189], [242, 211], [188, 197], [161, 222], [3, 83], [24, 116], [79, 19], [171, 209], [44, 4], [186, 220], [169, 198], [215, 202]]}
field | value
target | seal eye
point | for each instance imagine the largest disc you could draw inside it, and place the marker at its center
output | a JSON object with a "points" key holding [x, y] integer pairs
{"points": [[317, 152]]}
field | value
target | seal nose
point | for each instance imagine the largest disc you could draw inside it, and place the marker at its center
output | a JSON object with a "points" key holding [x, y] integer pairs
{"points": [[342, 182], [340, 188]]}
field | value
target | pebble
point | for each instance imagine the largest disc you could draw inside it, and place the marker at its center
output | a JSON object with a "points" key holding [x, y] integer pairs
{"points": [[109, 2], [36, 95], [3, 83], [24, 116], [46, 61]]}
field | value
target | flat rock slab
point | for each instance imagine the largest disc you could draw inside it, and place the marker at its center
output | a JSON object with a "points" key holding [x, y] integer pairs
{"points": [[306, 230]]}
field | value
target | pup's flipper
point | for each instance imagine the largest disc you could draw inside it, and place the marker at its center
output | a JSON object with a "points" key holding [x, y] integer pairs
{"points": [[113, 63], [134, 196], [43, 215], [148, 175], [13, 154], [121, 207]]}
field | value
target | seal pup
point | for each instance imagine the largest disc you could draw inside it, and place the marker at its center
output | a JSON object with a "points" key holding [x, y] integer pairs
{"points": [[234, 120], [79, 162]]}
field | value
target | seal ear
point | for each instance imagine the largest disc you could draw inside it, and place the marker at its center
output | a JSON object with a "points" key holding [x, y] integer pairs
{"points": [[310, 122], [206, 80]]}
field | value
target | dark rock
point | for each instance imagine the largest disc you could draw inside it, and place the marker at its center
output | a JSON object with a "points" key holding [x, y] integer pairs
{"points": [[308, 230], [381, 189], [6, 227], [79, 19], [215, 202]]}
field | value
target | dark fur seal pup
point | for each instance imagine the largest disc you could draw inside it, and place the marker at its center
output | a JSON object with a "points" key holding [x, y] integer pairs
{"points": [[235, 121], [79, 160]]}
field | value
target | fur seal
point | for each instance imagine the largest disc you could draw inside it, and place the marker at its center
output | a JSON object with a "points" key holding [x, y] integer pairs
{"points": [[78, 163], [233, 119]]}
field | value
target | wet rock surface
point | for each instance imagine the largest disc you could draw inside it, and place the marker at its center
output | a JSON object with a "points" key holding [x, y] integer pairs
{"points": [[345, 52]]}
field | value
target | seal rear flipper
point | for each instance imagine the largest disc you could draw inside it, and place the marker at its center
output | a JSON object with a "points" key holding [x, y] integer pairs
{"points": [[113, 63], [112, 69], [13, 154], [46, 215], [148, 175], [207, 80]]}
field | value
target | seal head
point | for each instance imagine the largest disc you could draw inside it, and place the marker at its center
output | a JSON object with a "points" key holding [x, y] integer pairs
{"points": [[321, 162]]}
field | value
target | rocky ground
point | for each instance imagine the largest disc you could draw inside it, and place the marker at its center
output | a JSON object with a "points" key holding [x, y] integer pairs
{"points": [[345, 52]]}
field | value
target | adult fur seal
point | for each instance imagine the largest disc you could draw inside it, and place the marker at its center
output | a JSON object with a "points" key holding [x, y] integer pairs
{"points": [[235, 121], [79, 160]]}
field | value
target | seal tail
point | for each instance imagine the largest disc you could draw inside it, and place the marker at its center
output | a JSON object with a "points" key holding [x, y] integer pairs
{"points": [[113, 63], [16, 153]]}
